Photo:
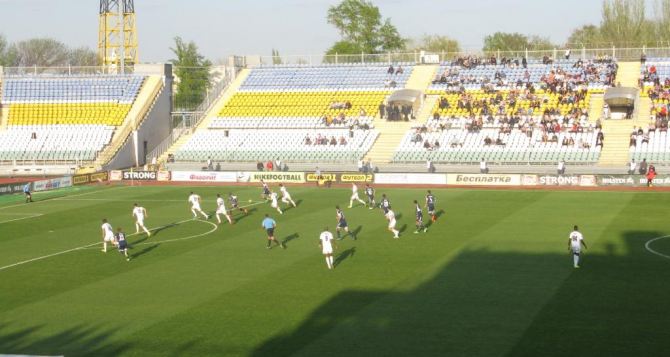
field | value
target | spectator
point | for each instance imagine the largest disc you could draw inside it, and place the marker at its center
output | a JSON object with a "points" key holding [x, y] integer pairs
{"points": [[277, 164], [218, 167], [269, 166], [631, 167], [567, 54], [561, 167], [259, 166], [483, 167], [361, 164], [643, 167], [209, 164], [381, 110], [429, 166], [399, 70], [390, 70]]}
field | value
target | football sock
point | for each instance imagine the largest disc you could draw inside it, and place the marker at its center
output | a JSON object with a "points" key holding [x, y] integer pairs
{"points": [[575, 259], [328, 262], [338, 233], [269, 242]]}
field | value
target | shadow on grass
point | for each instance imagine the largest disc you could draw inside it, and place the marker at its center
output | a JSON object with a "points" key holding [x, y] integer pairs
{"points": [[403, 228], [290, 238], [75, 341], [356, 231], [485, 303], [344, 255], [144, 251]]}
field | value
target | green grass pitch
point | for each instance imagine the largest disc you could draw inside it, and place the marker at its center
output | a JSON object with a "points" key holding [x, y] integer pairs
{"points": [[491, 278]]}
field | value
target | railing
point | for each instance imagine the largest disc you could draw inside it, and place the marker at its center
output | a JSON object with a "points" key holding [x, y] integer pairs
{"points": [[626, 54], [56, 71]]}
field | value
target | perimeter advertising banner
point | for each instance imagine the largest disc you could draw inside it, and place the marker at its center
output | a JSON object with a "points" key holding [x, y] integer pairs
{"points": [[52, 184], [484, 179], [139, 175], [287, 177], [341, 177], [91, 178], [410, 179], [631, 180], [203, 176], [9, 188]]}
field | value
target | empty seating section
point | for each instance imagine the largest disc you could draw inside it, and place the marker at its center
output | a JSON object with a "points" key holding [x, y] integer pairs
{"points": [[653, 146], [266, 144], [328, 77], [53, 142], [462, 146], [297, 104], [99, 99], [277, 107]]}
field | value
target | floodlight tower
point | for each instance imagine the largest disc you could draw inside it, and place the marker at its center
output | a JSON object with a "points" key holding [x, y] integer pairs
{"points": [[117, 34]]}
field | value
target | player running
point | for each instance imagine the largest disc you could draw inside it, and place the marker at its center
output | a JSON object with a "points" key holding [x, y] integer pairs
{"points": [[354, 196], [419, 218], [221, 209], [266, 191], [122, 243], [235, 203], [107, 234], [370, 192], [385, 204], [390, 216], [285, 196], [326, 245], [269, 225], [140, 213], [195, 206], [274, 204], [430, 205], [342, 224], [575, 243], [26, 191]]}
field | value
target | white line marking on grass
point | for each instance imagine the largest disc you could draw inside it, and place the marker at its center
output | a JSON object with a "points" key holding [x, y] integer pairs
{"points": [[59, 199], [129, 235], [648, 247], [116, 200], [28, 215]]}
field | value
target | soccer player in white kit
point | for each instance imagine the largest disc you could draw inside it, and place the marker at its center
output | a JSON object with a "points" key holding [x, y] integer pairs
{"points": [[274, 204], [195, 206], [354, 196], [107, 234], [575, 243], [390, 216], [326, 245], [140, 213], [221, 209], [285, 196]]}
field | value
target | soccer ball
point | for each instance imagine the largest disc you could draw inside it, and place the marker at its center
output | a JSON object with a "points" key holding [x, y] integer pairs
{"points": [[250, 200]]}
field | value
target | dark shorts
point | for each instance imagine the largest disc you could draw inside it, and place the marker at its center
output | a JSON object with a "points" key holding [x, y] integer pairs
{"points": [[123, 245], [431, 207], [342, 224], [385, 209], [419, 219], [266, 191], [27, 193], [271, 232], [371, 197]]}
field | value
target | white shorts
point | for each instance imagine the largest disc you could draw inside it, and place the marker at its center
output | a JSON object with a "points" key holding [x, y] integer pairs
{"points": [[354, 197], [327, 250], [273, 204], [286, 198], [221, 210], [140, 221], [392, 223], [109, 238], [196, 206], [576, 249]]}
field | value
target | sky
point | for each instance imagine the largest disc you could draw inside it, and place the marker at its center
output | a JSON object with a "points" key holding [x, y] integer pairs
{"points": [[294, 27]]}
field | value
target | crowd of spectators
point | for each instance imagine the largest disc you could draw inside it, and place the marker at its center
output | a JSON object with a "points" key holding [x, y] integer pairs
{"points": [[396, 112], [324, 140]]}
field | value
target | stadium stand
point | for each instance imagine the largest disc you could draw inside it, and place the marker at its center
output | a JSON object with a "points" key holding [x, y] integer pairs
{"points": [[63, 117], [537, 114], [651, 142], [298, 101]]}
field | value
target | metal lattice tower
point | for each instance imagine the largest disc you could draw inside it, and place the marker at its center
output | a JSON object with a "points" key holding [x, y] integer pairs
{"points": [[117, 27]]}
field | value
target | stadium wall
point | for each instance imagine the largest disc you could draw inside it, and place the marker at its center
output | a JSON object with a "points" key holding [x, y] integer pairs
{"points": [[155, 127]]}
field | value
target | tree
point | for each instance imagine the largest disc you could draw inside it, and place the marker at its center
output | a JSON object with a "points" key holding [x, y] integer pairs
{"points": [[624, 23], [193, 73], [276, 58], [511, 42], [41, 52], [585, 36], [662, 30], [83, 56], [437, 44], [362, 29]]}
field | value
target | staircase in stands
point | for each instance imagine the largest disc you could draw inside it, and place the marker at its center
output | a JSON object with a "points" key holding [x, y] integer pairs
{"points": [[615, 152], [391, 133], [209, 116]]}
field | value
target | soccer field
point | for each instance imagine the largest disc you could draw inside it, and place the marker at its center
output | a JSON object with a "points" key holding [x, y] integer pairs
{"points": [[492, 277]]}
